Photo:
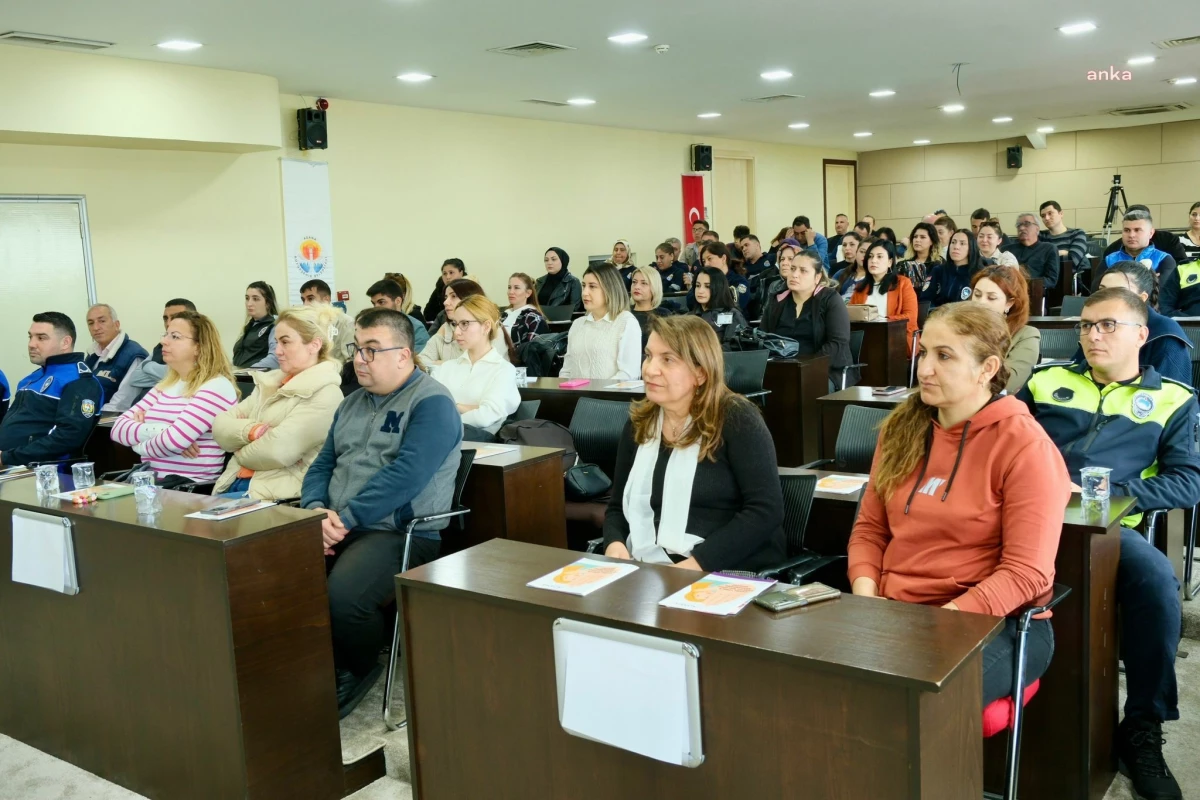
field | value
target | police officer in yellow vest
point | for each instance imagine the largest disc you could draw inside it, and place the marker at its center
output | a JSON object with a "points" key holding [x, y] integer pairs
{"points": [[1109, 412]]}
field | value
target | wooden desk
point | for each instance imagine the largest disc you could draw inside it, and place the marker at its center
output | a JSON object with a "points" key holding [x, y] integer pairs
{"points": [[558, 405], [853, 698], [884, 351], [196, 661], [516, 495], [833, 406], [791, 410]]}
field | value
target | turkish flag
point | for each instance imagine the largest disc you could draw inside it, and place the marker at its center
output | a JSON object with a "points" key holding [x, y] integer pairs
{"points": [[693, 204]]}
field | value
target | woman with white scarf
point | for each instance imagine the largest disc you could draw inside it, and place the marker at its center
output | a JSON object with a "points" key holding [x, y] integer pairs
{"points": [[696, 482]]}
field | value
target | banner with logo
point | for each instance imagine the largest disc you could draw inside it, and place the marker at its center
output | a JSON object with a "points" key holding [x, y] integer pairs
{"points": [[307, 225], [693, 203]]}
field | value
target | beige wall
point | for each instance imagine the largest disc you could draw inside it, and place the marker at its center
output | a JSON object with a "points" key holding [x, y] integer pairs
{"points": [[1159, 167]]}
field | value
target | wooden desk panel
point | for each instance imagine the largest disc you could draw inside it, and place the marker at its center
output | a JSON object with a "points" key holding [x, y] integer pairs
{"points": [[791, 411], [516, 495], [884, 351], [558, 405], [833, 406]]}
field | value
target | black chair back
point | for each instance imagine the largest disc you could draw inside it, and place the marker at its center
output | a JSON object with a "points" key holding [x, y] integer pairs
{"points": [[1059, 344], [856, 340], [596, 429], [1072, 305], [466, 458], [798, 491], [745, 370], [857, 437], [923, 312], [558, 313]]}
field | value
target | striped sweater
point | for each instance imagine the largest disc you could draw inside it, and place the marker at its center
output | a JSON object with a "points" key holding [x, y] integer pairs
{"points": [[173, 422]]}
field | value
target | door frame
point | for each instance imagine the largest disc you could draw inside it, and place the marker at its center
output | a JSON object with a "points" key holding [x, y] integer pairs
{"points": [[840, 162], [751, 189]]}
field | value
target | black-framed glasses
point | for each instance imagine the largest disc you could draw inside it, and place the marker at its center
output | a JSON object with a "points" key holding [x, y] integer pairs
{"points": [[368, 353], [461, 324], [1105, 326]]}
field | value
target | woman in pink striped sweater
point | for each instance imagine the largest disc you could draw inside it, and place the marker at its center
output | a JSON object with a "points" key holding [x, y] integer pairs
{"points": [[171, 427]]}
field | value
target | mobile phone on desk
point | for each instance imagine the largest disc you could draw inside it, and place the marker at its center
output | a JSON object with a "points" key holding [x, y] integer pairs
{"points": [[888, 391], [797, 596]]}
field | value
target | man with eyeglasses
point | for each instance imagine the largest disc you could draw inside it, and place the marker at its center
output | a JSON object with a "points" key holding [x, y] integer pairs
{"points": [[1110, 412], [1137, 245], [1039, 258], [392, 455]]}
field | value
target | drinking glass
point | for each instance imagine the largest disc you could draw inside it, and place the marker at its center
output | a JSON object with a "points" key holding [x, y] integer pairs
{"points": [[47, 480], [145, 493], [84, 474], [522, 376], [1095, 482]]}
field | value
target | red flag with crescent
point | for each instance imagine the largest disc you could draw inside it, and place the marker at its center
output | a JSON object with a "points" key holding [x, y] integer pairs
{"points": [[693, 203]]}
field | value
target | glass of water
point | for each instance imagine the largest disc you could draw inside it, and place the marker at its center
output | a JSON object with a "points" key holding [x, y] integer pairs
{"points": [[47, 480], [84, 474], [522, 376], [1095, 482], [145, 493]]}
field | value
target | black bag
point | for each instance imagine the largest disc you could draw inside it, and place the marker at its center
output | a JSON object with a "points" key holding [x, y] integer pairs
{"points": [[781, 347], [543, 355], [585, 482], [541, 433]]}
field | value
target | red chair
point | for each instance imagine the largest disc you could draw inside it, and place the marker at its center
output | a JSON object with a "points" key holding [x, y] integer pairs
{"points": [[1006, 714]]}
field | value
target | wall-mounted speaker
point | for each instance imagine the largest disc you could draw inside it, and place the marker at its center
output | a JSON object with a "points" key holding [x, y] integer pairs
{"points": [[312, 130], [1014, 156], [701, 158]]}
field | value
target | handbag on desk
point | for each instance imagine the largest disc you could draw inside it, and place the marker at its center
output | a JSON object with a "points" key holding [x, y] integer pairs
{"points": [[863, 312]]}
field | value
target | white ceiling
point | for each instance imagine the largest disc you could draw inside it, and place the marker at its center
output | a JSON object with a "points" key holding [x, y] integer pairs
{"points": [[1018, 64]]}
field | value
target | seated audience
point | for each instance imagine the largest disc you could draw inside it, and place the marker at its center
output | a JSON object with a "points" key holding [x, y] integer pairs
{"points": [[1039, 258], [371, 478], [988, 241], [113, 353], [1110, 412], [151, 371], [752, 253], [887, 290], [603, 344], [646, 297], [715, 303], [978, 217], [1004, 290], [483, 384], [1167, 346], [810, 240], [923, 254], [558, 287], [523, 319], [691, 253], [696, 483], [453, 269], [856, 268], [966, 498], [813, 314], [1137, 244], [1190, 241], [1163, 241], [1068, 242], [869, 221], [889, 235], [945, 227], [254, 347], [841, 224], [276, 432], [863, 229], [717, 255], [171, 427], [670, 272], [409, 307], [55, 407], [621, 259], [845, 266], [316, 292], [950, 281], [389, 294], [441, 345], [769, 283]]}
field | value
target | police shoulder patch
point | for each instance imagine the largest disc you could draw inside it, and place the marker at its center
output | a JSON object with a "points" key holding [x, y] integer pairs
{"points": [[1193, 277], [1062, 394], [46, 384], [1143, 404], [87, 408]]}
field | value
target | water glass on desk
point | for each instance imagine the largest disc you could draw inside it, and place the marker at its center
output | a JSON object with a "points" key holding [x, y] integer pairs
{"points": [[522, 376], [145, 492], [47, 480], [83, 474], [1095, 483]]}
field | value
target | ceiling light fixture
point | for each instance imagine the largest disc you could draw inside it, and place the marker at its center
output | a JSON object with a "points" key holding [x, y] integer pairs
{"points": [[920, 141], [882, 93], [776, 75], [581, 101], [628, 38], [1045, 129], [414, 77], [798, 126], [709, 115], [1140, 60], [1001, 119], [1182, 81], [953, 108], [1077, 27], [179, 44], [863, 134]]}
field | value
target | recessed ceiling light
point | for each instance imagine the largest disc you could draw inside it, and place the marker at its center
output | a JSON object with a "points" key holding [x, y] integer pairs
{"points": [[798, 126], [882, 93], [863, 134], [953, 108], [776, 75], [414, 77], [180, 44], [920, 141], [1077, 27], [628, 38], [1140, 60], [1183, 81], [709, 115], [581, 101], [1001, 119], [1045, 129]]}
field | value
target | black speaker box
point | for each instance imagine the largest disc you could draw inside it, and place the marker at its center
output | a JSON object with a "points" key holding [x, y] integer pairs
{"points": [[1014, 156], [701, 158], [313, 133]]}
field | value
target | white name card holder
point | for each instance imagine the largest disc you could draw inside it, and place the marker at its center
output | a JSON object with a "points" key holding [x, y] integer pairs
{"points": [[44, 551]]}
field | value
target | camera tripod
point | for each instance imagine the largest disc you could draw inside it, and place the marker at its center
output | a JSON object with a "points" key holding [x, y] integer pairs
{"points": [[1113, 209]]}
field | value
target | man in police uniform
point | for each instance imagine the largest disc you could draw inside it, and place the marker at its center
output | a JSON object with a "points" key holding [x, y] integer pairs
{"points": [[55, 408], [1109, 412]]}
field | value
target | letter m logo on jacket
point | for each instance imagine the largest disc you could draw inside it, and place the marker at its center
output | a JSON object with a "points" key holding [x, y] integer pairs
{"points": [[392, 423]]}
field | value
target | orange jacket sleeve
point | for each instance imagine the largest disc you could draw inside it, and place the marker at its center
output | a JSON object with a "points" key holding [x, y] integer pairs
{"points": [[906, 308], [869, 538]]}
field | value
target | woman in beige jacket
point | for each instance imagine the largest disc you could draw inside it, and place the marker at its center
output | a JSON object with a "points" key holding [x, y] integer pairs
{"points": [[1004, 290], [277, 431]]}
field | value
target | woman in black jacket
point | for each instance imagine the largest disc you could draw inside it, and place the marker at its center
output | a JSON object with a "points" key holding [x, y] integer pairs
{"points": [[254, 344], [558, 287], [452, 269], [814, 315], [716, 306], [950, 281]]}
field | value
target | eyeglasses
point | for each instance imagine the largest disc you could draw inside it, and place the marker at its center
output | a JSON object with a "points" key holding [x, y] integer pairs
{"points": [[368, 353], [1105, 326], [1027, 224], [176, 337], [461, 325]]}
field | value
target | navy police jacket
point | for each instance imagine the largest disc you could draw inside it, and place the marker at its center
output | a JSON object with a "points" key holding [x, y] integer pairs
{"points": [[53, 412]]}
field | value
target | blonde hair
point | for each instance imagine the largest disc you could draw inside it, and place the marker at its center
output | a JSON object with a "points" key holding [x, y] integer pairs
{"points": [[616, 298], [211, 361], [654, 279], [485, 311], [318, 321], [695, 341], [399, 278]]}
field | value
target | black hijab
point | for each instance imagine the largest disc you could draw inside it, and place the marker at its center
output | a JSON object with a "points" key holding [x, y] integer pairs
{"points": [[554, 279]]}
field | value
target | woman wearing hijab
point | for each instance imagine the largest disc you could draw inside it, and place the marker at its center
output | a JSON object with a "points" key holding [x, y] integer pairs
{"points": [[622, 259], [558, 287]]}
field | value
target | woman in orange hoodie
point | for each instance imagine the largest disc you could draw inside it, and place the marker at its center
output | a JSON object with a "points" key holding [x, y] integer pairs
{"points": [[967, 494], [886, 289]]}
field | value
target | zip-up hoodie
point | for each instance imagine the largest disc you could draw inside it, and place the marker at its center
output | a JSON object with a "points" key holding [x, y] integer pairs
{"points": [[977, 522]]}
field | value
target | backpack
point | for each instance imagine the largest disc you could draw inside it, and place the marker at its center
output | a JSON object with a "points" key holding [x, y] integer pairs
{"points": [[541, 433], [543, 355]]}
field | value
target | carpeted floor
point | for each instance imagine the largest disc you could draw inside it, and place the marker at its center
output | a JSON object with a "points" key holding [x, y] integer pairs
{"points": [[28, 774]]}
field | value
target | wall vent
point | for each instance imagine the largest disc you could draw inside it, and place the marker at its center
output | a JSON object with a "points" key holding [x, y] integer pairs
{"points": [[1139, 111], [50, 40], [531, 49], [1172, 43]]}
